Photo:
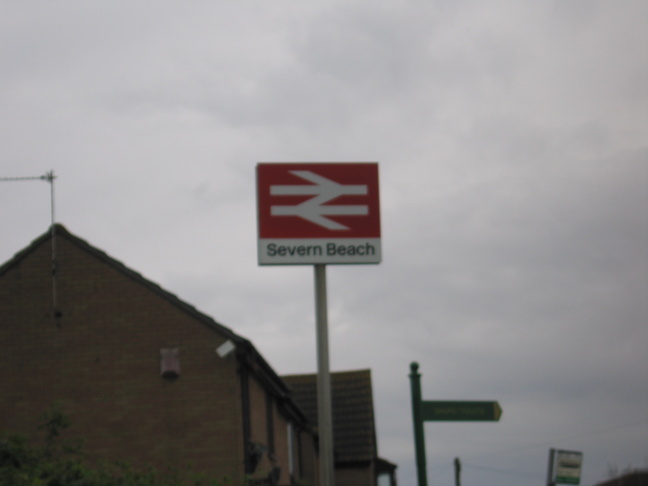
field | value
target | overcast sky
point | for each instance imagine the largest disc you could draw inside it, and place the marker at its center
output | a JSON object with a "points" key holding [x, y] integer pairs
{"points": [[512, 138]]}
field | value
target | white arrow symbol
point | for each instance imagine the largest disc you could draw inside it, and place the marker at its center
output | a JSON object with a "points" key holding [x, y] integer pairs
{"points": [[313, 209]]}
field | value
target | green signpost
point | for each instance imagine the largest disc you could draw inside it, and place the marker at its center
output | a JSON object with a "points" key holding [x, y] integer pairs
{"points": [[453, 411], [443, 411]]}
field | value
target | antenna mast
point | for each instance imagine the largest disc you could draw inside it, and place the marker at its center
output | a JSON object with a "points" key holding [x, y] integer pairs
{"points": [[49, 177]]}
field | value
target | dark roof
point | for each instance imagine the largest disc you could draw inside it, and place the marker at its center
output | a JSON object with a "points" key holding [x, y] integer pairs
{"points": [[634, 478], [245, 349], [354, 436]]}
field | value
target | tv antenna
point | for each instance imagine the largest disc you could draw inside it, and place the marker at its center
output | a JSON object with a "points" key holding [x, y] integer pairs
{"points": [[49, 177]]}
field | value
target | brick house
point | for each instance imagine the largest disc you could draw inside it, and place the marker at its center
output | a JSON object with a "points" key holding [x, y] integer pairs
{"points": [[354, 432], [145, 377]]}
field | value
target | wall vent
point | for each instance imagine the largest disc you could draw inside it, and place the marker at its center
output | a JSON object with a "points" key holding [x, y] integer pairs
{"points": [[169, 362]]}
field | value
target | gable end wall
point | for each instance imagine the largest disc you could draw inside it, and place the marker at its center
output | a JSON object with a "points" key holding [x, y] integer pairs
{"points": [[100, 360]]}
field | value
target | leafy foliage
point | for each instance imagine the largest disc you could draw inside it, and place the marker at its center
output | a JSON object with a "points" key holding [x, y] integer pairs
{"points": [[61, 463]]}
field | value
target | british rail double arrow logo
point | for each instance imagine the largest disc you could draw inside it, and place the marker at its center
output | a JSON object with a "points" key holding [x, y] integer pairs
{"points": [[316, 209]]}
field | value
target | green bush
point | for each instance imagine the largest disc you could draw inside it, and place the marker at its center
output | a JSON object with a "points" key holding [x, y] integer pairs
{"points": [[61, 462]]}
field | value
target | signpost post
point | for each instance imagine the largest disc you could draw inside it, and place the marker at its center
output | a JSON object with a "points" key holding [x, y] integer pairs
{"points": [[443, 411], [318, 214], [419, 432]]}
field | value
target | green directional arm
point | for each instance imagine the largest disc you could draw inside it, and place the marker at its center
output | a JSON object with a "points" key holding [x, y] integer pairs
{"points": [[460, 411]]}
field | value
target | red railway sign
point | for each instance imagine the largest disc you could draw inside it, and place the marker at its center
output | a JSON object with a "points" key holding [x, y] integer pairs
{"points": [[318, 213]]}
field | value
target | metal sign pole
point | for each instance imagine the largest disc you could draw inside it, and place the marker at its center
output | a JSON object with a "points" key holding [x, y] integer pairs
{"points": [[550, 469], [457, 465], [419, 433], [324, 408]]}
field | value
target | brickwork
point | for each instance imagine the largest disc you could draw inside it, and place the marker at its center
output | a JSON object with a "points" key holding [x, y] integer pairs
{"points": [[100, 361], [259, 435], [281, 446], [258, 426], [308, 460]]}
